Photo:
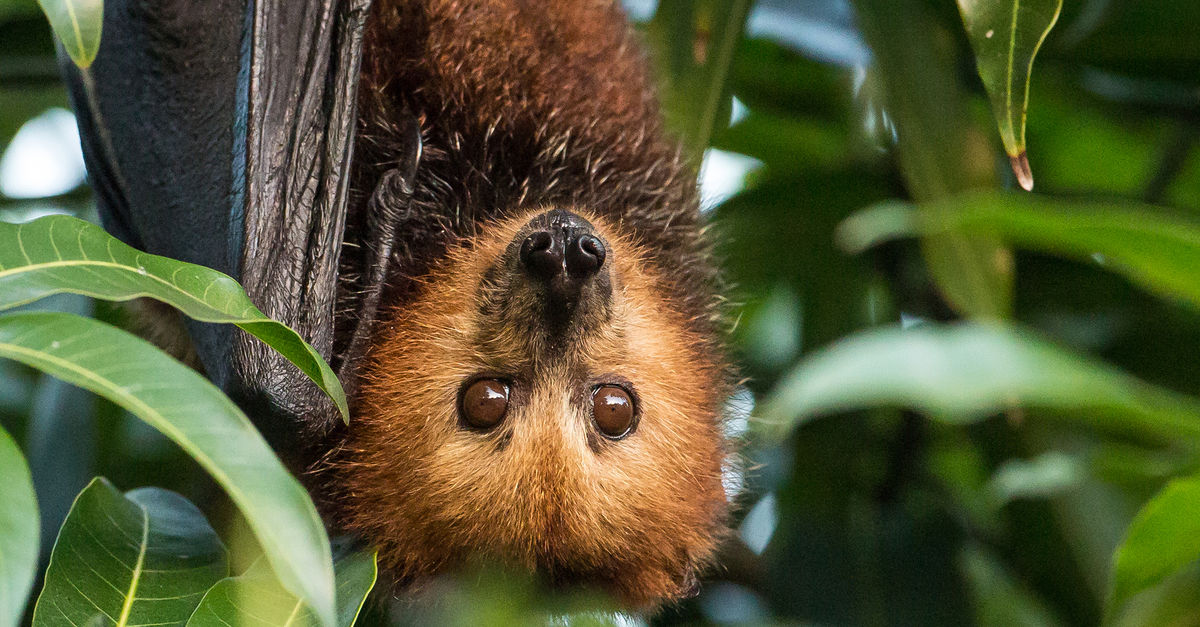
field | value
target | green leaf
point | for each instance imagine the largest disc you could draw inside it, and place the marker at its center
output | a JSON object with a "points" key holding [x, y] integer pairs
{"points": [[77, 24], [1163, 538], [966, 372], [190, 410], [1006, 35], [141, 558], [256, 598], [939, 151], [1153, 247], [999, 598], [18, 532], [695, 43], [58, 254]]}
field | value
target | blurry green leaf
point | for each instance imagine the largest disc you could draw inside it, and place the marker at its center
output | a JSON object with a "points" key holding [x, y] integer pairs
{"points": [[18, 532], [1151, 246], [1083, 148], [967, 372], [763, 247], [16, 8], [256, 599], [1151, 42], [1175, 601], [939, 151], [1044, 476], [77, 24], [59, 254], [786, 144], [1163, 538], [769, 77], [141, 558], [974, 274], [695, 43], [1006, 35], [199, 418], [19, 105], [999, 599]]}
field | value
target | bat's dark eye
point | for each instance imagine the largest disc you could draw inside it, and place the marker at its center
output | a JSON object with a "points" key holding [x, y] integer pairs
{"points": [[483, 404], [613, 410]]}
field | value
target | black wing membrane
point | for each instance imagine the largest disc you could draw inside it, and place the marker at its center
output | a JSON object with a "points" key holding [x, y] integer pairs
{"points": [[219, 132]]}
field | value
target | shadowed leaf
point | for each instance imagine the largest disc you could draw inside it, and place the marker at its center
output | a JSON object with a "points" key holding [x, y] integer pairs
{"points": [[141, 558], [940, 153]]}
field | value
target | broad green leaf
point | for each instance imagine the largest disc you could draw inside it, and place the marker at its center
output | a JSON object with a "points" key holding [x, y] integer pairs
{"points": [[1151, 246], [18, 532], [939, 151], [999, 598], [190, 410], [77, 24], [1006, 35], [967, 372], [141, 558], [256, 598], [58, 254], [1163, 538], [695, 43]]}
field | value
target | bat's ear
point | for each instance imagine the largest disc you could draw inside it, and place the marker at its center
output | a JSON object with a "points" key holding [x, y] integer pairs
{"points": [[387, 206]]}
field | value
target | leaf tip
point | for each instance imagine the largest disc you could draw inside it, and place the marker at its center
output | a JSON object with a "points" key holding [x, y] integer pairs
{"points": [[1020, 166]]}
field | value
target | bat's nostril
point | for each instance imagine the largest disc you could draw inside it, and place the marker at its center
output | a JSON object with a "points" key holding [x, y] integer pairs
{"points": [[585, 256], [542, 254]]}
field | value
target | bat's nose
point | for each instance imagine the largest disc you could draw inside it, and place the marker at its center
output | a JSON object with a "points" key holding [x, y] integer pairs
{"points": [[565, 250], [562, 256]]}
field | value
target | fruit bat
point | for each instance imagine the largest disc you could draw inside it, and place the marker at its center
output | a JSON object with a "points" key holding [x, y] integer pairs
{"points": [[472, 210]]}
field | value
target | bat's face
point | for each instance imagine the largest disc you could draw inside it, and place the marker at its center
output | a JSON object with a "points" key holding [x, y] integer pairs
{"points": [[540, 403]]}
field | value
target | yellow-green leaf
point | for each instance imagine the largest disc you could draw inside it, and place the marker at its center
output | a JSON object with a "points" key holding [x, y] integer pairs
{"points": [[1006, 35], [78, 24], [1163, 538], [255, 599], [18, 532]]}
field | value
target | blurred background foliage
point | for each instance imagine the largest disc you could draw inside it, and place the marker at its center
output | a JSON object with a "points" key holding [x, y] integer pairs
{"points": [[872, 517]]}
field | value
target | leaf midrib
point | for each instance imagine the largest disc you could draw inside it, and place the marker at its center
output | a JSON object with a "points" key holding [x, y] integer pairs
{"points": [[1008, 76], [136, 576]]}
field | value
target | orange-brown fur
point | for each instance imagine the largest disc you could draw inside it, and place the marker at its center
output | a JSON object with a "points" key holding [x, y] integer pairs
{"points": [[525, 106], [636, 515]]}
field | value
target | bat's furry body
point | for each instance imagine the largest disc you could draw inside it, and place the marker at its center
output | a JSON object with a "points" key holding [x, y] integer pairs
{"points": [[525, 107], [516, 216]]}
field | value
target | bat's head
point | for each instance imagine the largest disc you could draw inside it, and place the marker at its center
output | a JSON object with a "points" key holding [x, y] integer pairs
{"points": [[541, 402]]}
